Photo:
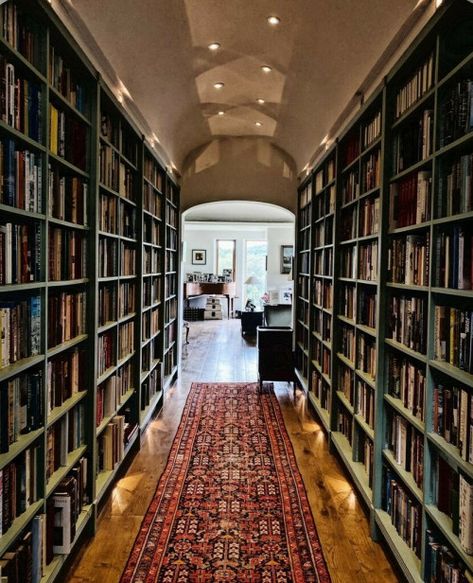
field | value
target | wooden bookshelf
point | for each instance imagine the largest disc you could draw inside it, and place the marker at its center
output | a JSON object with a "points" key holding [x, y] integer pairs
{"points": [[65, 213], [422, 365]]}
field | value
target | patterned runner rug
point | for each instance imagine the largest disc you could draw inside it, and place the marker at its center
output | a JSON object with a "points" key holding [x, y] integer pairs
{"points": [[231, 504]]}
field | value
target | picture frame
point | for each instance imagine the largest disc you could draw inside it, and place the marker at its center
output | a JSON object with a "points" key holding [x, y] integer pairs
{"points": [[199, 257], [287, 253]]}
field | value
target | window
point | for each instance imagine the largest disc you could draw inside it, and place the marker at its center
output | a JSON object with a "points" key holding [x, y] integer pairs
{"points": [[226, 256], [255, 266]]}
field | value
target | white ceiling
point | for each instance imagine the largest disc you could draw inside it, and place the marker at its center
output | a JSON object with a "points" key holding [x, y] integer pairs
{"points": [[239, 212], [320, 53]]}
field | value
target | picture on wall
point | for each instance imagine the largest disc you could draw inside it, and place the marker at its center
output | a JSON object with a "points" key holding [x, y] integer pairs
{"points": [[199, 257], [287, 253]]}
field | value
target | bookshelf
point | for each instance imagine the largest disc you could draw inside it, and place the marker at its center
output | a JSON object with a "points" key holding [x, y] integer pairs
{"points": [[77, 219], [400, 393]]}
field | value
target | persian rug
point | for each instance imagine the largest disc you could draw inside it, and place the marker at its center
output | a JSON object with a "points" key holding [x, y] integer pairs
{"points": [[231, 504]]}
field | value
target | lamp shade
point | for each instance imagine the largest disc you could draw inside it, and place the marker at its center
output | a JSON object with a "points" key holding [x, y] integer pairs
{"points": [[252, 280]]}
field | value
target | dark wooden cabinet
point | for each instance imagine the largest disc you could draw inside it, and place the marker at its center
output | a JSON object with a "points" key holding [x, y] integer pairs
{"points": [[275, 357], [250, 321]]}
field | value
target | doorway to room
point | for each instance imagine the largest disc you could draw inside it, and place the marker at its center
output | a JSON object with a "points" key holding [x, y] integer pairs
{"points": [[236, 257]]}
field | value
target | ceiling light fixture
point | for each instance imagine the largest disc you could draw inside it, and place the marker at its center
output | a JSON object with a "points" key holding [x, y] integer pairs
{"points": [[221, 113], [266, 68], [219, 85], [214, 46], [274, 20], [258, 124], [260, 100]]}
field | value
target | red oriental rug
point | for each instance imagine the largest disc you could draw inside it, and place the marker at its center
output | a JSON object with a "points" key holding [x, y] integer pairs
{"points": [[231, 504]]}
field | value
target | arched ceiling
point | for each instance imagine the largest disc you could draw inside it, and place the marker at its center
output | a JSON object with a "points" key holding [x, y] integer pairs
{"points": [[319, 54], [239, 212]]}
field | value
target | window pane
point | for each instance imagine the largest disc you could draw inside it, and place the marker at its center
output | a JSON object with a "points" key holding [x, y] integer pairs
{"points": [[225, 256], [256, 252]]}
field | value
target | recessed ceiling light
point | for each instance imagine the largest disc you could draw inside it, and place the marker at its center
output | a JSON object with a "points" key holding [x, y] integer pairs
{"points": [[260, 101], [274, 20], [221, 113], [266, 69], [258, 124], [219, 85], [214, 46]]}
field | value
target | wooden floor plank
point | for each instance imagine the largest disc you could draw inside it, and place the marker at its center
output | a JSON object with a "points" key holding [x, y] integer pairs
{"points": [[217, 352]]}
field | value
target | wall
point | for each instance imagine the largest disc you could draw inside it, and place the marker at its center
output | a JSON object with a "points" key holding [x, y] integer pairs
{"points": [[205, 235]]}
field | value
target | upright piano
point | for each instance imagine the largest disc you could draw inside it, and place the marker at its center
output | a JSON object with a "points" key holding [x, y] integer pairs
{"points": [[228, 290]]}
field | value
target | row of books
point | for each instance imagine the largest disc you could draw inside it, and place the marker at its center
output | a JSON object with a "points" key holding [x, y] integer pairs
{"points": [[347, 343], [372, 130], [346, 383], [371, 171], [322, 325], [304, 218], [151, 291], [366, 456], [67, 137], [442, 564], [20, 330], [128, 221], [21, 404], [66, 317], [324, 203], [126, 342], [347, 301], [409, 260], [407, 382], [65, 436], [453, 417], [345, 425], [66, 377], [67, 254], [369, 217], [111, 392], [20, 249], [108, 255], [454, 337], [127, 260], [352, 148], [410, 200], [153, 173], [21, 177], [351, 187], [106, 353], [405, 513], [150, 387], [18, 31], [63, 80], [108, 213], [368, 261], [457, 112], [421, 80], [366, 355], [407, 445], [115, 174], [455, 499], [126, 299], [365, 403], [109, 127], [408, 324], [454, 257], [170, 286], [414, 141], [456, 189], [323, 233], [323, 294], [107, 304], [111, 444], [171, 238], [18, 487], [366, 310], [170, 360], [171, 215], [20, 101], [151, 231], [67, 196], [152, 201]]}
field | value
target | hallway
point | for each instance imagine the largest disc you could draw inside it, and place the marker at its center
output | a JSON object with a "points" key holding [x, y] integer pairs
{"points": [[217, 352]]}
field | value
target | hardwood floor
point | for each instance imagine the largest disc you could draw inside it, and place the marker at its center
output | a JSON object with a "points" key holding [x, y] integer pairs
{"points": [[217, 352]]}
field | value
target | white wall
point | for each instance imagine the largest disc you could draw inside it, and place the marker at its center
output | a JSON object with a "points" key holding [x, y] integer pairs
{"points": [[205, 236]]}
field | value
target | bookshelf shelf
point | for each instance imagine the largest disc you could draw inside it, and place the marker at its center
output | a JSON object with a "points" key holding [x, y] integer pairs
{"points": [[406, 477], [63, 162], [417, 166], [451, 453], [321, 412], [106, 420], [55, 95], [68, 404], [66, 345], [72, 458], [20, 366], [398, 405], [402, 348], [20, 445], [146, 415], [19, 525], [21, 137], [453, 372]]}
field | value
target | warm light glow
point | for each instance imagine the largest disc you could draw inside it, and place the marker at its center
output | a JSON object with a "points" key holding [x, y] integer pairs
{"points": [[266, 69], [219, 85], [260, 101], [324, 141], [438, 3], [221, 113], [214, 46], [274, 20], [258, 124]]}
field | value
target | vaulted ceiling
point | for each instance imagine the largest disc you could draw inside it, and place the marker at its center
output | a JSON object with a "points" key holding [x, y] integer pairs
{"points": [[319, 54]]}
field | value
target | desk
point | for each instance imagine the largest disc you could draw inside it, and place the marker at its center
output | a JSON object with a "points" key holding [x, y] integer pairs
{"points": [[227, 290]]}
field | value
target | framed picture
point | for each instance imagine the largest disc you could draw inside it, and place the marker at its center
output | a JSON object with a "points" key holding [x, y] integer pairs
{"points": [[199, 257], [287, 253]]}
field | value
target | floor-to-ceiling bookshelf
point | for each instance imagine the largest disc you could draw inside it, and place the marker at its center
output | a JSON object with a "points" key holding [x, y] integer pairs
{"points": [[399, 402], [82, 316]]}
